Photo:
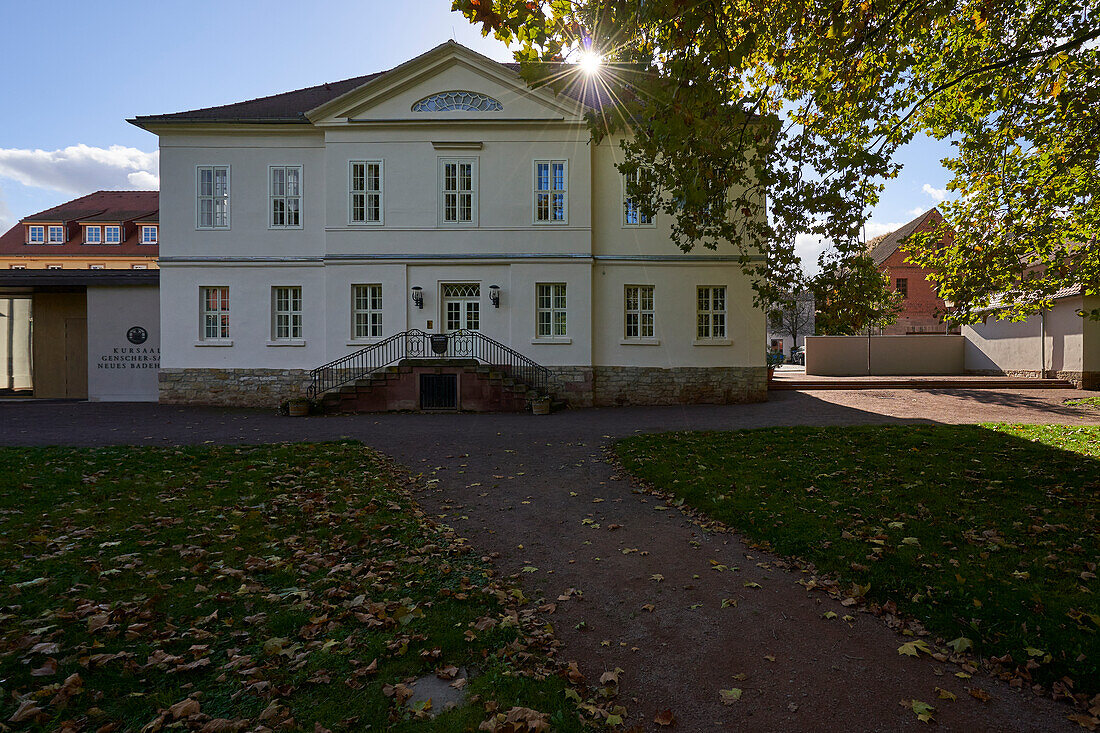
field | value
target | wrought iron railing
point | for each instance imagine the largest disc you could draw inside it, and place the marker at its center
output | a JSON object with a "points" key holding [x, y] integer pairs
{"points": [[417, 344]]}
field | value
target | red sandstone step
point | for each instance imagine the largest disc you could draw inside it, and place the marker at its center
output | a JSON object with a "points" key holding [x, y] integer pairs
{"points": [[917, 383]]}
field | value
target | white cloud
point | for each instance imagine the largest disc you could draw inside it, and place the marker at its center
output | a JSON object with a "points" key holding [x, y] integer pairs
{"points": [[6, 218], [80, 169], [875, 228], [917, 211], [937, 194]]}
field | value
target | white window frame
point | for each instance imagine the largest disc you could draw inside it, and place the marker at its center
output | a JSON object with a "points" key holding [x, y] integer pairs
{"points": [[284, 197], [370, 313], [549, 192], [628, 202], [139, 267], [473, 192], [366, 192], [145, 227], [107, 230], [95, 267], [293, 316], [55, 267], [17, 267], [41, 231], [49, 234], [552, 310], [643, 334], [711, 323], [98, 235], [222, 314], [213, 197]]}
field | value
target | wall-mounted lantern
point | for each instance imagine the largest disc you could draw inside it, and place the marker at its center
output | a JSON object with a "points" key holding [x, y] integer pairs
{"points": [[494, 295], [418, 296]]}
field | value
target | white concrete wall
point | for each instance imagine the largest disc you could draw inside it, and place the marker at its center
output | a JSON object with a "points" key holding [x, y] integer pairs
{"points": [[889, 355], [1011, 346], [121, 366]]}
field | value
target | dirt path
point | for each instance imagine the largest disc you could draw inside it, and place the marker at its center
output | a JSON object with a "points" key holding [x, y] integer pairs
{"points": [[533, 490]]}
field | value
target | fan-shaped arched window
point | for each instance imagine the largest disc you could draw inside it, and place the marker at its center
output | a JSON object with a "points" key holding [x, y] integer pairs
{"points": [[457, 102]]}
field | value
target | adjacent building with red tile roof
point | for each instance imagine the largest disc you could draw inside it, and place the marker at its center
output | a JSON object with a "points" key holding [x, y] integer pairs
{"points": [[922, 307], [103, 230]]}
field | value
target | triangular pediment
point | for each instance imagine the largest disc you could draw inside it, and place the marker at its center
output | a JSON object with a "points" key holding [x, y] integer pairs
{"points": [[478, 89]]}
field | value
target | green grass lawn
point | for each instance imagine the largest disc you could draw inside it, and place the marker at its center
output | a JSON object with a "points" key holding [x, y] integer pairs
{"points": [[264, 583], [983, 532]]}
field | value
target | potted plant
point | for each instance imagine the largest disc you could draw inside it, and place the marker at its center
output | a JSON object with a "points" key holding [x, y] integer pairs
{"points": [[540, 405], [297, 407]]}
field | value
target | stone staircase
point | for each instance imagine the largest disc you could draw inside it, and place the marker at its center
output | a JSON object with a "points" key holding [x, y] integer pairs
{"points": [[480, 388]]}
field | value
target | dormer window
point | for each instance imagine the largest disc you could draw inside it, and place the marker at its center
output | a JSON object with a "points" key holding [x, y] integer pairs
{"points": [[112, 234], [57, 235], [457, 102], [148, 234], [93, 235], [36, 234]]}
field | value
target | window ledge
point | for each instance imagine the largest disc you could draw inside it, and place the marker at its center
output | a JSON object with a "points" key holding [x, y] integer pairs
{"points": [[214, 342], [639, 342], [363, 342], [556, 340], [287, 342], [712, 342]]}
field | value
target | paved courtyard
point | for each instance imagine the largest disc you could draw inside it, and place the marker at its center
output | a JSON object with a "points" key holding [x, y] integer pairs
{"points": [[521, 487]]}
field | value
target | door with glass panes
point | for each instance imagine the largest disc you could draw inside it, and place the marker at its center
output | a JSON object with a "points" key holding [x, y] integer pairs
{"points": [[461, 307]]}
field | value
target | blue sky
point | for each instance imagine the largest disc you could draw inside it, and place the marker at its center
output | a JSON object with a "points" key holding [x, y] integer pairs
{"points": [[72, 84]]}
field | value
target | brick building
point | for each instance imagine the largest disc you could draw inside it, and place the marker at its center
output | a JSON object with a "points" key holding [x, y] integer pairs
{"points": [[922, 308]]}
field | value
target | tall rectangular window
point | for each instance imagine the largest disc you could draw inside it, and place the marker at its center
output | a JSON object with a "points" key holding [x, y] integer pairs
{"points": [[36, 234], [365, 206], [639, 312], [459, 190], [710, 322], [286, 197], [551, 190], [287, 312], [93, 235], [903, 286], [148, 234], [112, 234], [633, 216], [215, 313], [213, 197], [366, 311], [56, 235], [550, 310]]}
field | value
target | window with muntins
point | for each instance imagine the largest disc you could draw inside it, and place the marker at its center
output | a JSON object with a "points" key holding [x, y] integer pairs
{"points": [[288, 313], [93, 235], [366, 192], [633, 216], [550, 318], [711, 312], [903, 286], [462, 306], [366, 311], [57, 235], [639, 312], [36, 235], [286, 197], [148, 235], [215, 313], [112, 235], [457, 101], [213, 197], [459, 190], [551, 184]]}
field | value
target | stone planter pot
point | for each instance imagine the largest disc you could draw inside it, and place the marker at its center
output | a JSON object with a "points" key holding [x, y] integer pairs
{"points": [[541, 406], [298, 408]]}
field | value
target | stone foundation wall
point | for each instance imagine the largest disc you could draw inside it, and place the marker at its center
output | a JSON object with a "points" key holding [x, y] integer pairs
{"points": [[579, 386], [232, 387], [609, 386], [1080, 380]]}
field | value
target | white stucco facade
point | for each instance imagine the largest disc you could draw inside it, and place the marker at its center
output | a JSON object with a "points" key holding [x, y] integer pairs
{"points": [[590, 250]]}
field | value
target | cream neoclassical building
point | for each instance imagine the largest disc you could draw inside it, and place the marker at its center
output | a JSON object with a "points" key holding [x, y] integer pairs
{"points": [[352, 220]]}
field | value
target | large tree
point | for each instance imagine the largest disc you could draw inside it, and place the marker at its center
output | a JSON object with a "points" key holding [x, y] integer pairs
{"points": [[753, 121]]}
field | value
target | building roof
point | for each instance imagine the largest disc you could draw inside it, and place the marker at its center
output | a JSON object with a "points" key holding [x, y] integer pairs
{"points": [[69, 279], [291, 107], [881, 247], [101, 207]]}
